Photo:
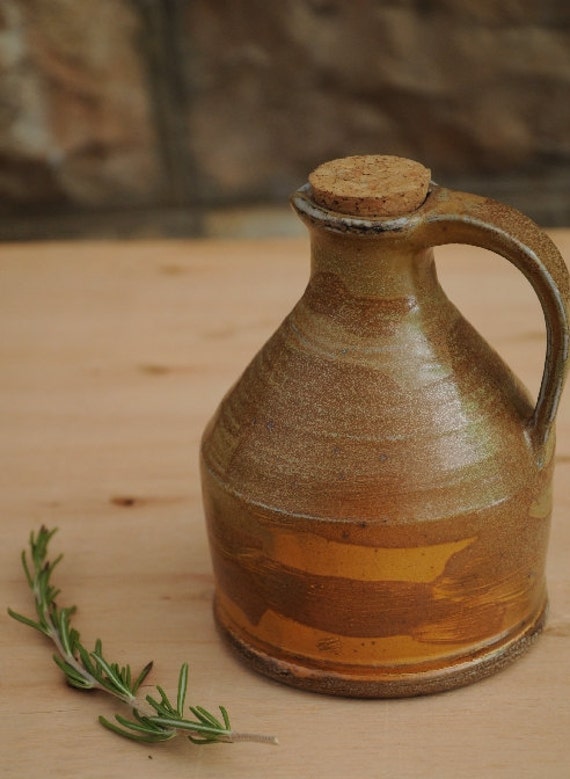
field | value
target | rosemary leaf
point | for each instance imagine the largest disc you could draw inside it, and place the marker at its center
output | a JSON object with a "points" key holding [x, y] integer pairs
{"points": [[142, 676], [136, 732], [26, 621], [182, 688]]}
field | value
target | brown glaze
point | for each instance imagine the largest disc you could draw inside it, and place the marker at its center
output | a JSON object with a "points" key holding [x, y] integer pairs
{"points": [[377, 484]]}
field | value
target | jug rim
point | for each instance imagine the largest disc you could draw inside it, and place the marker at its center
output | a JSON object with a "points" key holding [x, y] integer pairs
{"points": [[315, 215]]}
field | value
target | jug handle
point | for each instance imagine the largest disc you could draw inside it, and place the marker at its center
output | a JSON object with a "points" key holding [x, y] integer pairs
{"points": [[448, 216]]}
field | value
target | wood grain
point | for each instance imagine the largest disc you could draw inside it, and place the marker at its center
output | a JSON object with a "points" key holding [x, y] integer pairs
{"points": [[114, 355]]}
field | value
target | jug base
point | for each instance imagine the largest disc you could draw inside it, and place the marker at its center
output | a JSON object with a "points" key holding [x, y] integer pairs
{"points": [[383, 682]]}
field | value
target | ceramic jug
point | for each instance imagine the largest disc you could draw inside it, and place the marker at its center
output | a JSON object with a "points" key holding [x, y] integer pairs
{"points": [[377, 484]]}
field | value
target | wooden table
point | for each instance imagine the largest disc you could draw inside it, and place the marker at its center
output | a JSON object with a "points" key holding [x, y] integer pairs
{"points": [[114, 355]]}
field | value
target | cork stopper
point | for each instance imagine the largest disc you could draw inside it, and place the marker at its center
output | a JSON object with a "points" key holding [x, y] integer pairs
{"points": [[371, 185]]}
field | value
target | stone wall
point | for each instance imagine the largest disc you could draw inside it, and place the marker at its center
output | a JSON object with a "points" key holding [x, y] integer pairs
{"points": [[145, 117]]}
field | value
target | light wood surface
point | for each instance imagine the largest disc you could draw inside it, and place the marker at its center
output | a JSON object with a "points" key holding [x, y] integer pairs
{"points": [[114, 355]]}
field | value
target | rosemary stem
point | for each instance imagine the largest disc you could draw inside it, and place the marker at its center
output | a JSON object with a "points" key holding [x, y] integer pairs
{"points": [[54, 636], [253, 738], [197, 729], [71, 659]]}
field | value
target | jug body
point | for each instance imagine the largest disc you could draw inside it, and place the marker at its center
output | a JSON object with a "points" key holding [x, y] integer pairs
{"points": [[377, 499]]}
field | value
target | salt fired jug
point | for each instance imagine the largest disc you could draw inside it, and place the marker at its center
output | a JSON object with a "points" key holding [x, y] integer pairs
{"points": [[377, 484]]}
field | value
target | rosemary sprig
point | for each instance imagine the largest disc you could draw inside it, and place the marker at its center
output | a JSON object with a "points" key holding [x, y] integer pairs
{"points": [[155, 718]]}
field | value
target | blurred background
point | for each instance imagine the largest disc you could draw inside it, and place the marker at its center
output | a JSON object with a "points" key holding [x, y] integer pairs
{"points": [[200, 117]]}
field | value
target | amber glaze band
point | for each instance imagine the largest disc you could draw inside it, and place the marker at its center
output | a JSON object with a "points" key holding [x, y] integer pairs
{"points": [[380, 683]]}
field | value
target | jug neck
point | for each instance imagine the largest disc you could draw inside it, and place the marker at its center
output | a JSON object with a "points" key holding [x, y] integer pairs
{"points": [[373, 267], [372, 258]]}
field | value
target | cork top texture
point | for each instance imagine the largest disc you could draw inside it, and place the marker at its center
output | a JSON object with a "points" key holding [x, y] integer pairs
{"points": [[370, 185]]}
